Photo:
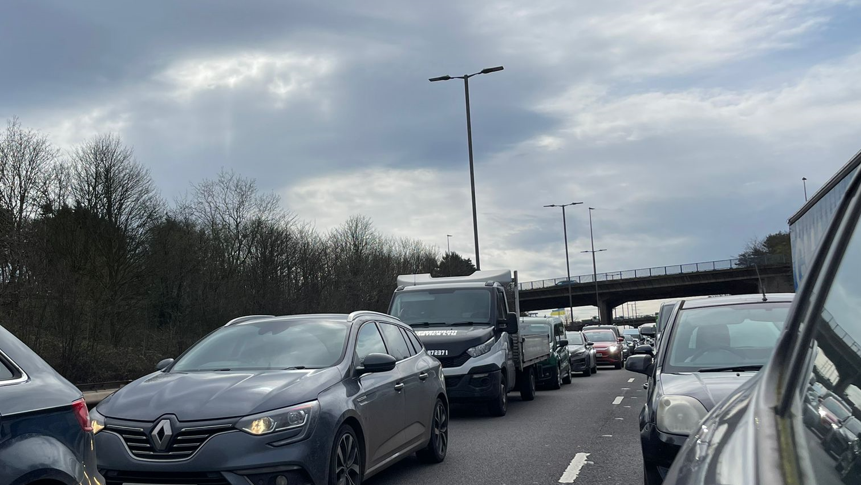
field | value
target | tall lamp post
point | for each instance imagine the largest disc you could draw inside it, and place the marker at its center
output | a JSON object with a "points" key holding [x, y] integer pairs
{"points": [[567, 264], [804, 181], [448, 243], [465, 78], [594, 265]]}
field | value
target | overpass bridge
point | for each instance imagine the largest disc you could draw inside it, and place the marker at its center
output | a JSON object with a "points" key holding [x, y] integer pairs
{"points": [[722, 277]]}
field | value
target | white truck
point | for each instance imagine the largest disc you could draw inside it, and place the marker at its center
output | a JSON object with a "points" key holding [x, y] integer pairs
{"points": [[468, 324]]}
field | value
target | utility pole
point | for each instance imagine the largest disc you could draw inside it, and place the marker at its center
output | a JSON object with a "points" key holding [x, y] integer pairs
{"points": [[567, 264], [594, 264]]}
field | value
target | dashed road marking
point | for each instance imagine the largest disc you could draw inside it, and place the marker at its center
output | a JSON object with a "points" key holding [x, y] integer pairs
{"points": [[631, 380], [573, 470], [626, 388], [606, 436], [618, 400], [620, 419]]}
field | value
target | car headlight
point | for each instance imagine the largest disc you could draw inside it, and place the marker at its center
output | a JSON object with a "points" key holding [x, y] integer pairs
{"points": [[613, 348], [97, 421], [481, 349], [679, 414], [280, 419]]}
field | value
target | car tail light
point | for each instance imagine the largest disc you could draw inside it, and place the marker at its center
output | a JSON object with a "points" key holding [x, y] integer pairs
{"points": [[79, 407]]}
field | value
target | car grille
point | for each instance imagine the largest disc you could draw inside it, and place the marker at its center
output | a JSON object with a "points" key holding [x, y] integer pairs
{"points": [[174, 478], [184, 444], [454, 361]]}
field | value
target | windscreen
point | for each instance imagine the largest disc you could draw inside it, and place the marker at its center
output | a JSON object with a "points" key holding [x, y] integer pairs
{"points": [[600, 336], [574, 338], [535, 329], [285, 344], [853, 426], [721, 336], [836, 407], [442, 307]]}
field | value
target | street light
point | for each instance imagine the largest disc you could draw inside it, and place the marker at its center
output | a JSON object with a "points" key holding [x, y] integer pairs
{"points": [[448, 243], [804, 181], [594, 265], [567, 264], [465, 78]]}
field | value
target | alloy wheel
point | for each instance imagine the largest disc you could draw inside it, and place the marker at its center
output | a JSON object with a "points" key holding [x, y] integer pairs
{"points": [[440, 429], [347, 469]]}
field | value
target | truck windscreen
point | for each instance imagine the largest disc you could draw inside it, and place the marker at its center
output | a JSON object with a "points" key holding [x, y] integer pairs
{"points": [[442, 307]]}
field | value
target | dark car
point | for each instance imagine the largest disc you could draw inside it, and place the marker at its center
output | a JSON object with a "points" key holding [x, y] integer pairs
{"points": [[555, 370], [758, 435], [608, 349], [839, 439], [648, 331], [45, 433], [832, 413], [710, 348], [664, 315], [632, 339], [319, 399], [581, 354]]}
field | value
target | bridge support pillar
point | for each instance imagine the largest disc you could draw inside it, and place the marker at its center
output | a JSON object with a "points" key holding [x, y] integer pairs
{"points": [[605, 311]]}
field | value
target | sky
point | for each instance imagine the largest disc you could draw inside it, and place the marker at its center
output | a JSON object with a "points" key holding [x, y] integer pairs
{"points": [[687, 125]]}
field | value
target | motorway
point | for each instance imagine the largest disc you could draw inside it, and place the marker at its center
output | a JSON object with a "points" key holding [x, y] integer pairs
{"points": [[573, 435]]}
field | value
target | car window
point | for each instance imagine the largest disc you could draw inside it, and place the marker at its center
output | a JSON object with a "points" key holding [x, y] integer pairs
{"points": [[6, 373], [417, 344], [725, 335], [832, 363], [412, 350], [501, 308], [369, 341], [395, 341], [600, 336], [574, 338]]}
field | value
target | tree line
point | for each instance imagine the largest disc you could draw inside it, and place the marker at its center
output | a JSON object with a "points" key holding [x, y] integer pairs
{"points": [[103, 277]]}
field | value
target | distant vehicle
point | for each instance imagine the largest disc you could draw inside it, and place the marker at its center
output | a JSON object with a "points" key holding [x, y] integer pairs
{"points": [[566, 282], [648, 331], [608, 349], [470, 323], [555, 370], [323, 399], [45, 434], [632, 339], [758, 434], [581, 354], [710, 348], [832, 413], [838, 439]]}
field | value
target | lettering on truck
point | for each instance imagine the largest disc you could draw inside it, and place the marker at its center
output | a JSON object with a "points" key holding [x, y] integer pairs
{"points": [[436, 333], [437, 353]]}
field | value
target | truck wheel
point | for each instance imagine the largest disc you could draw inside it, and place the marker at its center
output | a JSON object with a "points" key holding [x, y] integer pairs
{"points": [[527, 385], [556, 383], [499, 406], [567, 378]]}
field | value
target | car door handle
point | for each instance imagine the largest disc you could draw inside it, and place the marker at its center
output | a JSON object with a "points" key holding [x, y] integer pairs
{"points": [[399, 386], [423, 375]]}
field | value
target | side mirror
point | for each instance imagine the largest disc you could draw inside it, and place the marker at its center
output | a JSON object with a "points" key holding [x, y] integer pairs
{"points": [[641, 364], [164, 364], [621, 339], [563, 343], [510, 325], [644, 349], [377, 363], [589, 344]]}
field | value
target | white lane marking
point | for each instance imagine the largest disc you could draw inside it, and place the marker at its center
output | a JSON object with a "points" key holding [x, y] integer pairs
{"points": [[606, 436], [627, 406], [626, 388], [620, 419], [573, 470], [618, 400], [631, 380]]}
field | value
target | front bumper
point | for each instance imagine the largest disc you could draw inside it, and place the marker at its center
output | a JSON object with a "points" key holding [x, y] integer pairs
{"points": [[479, 385], [659, 448], [579, 363], [607, 358], [230, 458]]}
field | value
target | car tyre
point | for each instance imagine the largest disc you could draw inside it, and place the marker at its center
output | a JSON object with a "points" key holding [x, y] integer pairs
{"points": [[556, 383], [345, 464], [587, 372], [618, 365], [499, 406], [527, 385], [567, 378], [438, 445]]}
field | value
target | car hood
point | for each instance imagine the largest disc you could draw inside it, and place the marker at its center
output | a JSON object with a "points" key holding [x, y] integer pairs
{"points": [[708, 388], [453, 340], [577, 349], [195, 396]]}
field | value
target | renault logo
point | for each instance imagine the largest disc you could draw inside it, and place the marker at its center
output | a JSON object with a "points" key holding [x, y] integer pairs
{"points": [[161, 435]]}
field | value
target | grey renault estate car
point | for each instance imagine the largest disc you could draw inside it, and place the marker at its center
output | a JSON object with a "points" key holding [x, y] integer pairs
{"points": [[45, 434], [311, 399]]}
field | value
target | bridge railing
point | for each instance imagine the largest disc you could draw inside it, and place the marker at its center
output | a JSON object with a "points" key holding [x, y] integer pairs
{"points": [[722, 264]]}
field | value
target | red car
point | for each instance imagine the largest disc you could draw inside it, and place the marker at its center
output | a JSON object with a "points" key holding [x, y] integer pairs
{"points": [[608, 350]]}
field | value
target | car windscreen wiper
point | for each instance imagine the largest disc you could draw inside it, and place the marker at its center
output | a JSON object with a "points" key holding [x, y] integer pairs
{"points": [[298, 367], [455, 324], [734, 368], [426, 324]]}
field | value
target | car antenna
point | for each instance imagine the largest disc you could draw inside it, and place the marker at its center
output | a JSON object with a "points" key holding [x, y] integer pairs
{"points": [[761, 286]]}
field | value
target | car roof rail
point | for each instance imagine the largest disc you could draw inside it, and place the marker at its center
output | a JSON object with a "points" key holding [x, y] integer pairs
{"points": [[246, 318], [358, 313]]}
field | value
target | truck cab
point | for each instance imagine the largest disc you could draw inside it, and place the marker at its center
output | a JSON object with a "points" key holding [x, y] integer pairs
{"points": [[467, 324]]}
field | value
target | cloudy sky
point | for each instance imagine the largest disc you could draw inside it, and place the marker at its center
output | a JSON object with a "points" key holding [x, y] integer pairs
{"points": [[688, 125]]}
